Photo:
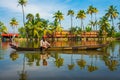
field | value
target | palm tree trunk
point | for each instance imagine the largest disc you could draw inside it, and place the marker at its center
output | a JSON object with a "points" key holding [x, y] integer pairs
{"points": [[96, 21], [24, 22], [91, 21], [81, 24], [71, 22], [23, 15], [112, 22]]}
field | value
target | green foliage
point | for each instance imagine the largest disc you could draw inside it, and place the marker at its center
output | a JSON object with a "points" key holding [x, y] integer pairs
{"points": [[88, 28], [111, 32], [117, 34], [3, 28]]}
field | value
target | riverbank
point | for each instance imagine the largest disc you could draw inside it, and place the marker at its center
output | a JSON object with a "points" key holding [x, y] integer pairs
{"points": [[66, 39]]}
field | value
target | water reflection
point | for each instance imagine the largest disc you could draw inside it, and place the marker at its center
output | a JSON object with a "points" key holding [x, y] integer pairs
{"points": [[74, 63], [90, 64], [71, 65], [81, 62], [23, 73]]}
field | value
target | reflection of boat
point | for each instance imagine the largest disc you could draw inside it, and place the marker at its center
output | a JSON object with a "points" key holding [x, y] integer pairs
{"points": [[74, 48], [84, 52]]}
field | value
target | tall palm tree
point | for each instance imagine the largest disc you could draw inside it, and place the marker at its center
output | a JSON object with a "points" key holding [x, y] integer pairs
{"points": [[23, 3], [81, 15], [58, 16], [14, 23], [95, 11], [71, 13], [90, 11], [112, 13]]}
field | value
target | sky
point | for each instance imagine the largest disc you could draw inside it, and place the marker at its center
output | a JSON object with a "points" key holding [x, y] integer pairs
{"points": [[46, 8]]}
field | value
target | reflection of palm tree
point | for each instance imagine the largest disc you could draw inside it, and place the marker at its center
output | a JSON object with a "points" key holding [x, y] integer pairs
{"points": [[92, 67], [58, 60], [23, 74], [112, 64], [1, 55], [81, 63], [32, 58], [71, 66], [14, 56]]}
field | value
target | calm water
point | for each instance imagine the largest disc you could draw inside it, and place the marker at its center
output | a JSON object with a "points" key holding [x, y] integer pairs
{"points": [[63, 65]]}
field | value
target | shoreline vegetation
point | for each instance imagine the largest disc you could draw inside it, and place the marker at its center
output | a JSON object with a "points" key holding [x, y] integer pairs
{"points": [[35, 27], [65, 39]]}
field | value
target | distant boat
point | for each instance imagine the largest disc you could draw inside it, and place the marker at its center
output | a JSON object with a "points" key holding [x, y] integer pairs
{"points": [[74, 48]]}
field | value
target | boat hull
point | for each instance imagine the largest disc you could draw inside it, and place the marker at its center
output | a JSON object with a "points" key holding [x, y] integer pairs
{"points": [[90, 47]]}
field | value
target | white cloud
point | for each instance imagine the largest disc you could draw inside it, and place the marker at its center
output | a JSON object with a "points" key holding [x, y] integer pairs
{"points": [[11, 5], [46, 9]]}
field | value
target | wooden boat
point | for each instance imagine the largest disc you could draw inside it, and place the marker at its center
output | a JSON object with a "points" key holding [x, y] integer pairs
{"points": [[74, 48]]}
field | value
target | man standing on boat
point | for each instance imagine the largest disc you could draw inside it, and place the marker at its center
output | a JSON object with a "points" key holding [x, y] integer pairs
{"points": [[44, 44]]}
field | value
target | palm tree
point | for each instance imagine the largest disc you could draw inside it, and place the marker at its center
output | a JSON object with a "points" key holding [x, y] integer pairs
{"points": [[81, 15], [30, 17], [58, 16], [112, 13], [45, 27], [71, 13], [88, 29], [3, 29], [90, 11], [1, 23], [37, 17], [23, 3], [111, 32], [95, 10], [21, 32], [33, 25], [104, 25], [119, 24], [14, 23]]}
